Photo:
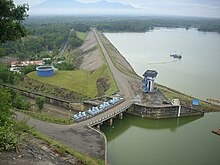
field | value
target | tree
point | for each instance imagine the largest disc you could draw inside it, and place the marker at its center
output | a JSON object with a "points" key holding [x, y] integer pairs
{"points": [[11, 18], [5, 105], [6, 76], [9, 129], [40, 102]]}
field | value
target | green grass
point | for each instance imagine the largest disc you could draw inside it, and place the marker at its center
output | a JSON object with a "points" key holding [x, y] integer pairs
{"points": [[186, 100], [71, 80], [44, 117], [80, 82], [81, 35], [113, 86]]}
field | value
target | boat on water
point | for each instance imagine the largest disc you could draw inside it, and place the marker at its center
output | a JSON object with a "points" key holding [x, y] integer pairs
{"points": [[217, 132], [175, 55]]}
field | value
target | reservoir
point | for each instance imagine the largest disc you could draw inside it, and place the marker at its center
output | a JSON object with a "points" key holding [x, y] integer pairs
{"points": [[186, 140], [196, 74]]}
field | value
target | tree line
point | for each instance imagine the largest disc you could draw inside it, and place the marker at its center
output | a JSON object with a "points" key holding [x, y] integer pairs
{"points": [[47, 34], [42, 39], [130, 24]]}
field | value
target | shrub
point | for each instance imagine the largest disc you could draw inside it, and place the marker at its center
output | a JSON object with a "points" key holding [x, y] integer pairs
{"points": [[8, 137], [40, 102]]}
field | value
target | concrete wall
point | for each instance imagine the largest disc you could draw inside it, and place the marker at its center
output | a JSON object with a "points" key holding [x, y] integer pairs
{"points": [[161, 112], [49, 99]]}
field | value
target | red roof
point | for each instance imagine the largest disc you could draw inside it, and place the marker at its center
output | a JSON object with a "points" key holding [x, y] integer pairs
{"points": [[26, 63]]}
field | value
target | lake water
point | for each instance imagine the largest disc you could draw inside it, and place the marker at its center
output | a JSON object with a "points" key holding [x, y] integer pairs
{"points": [[177, 141], [196, 74], [186, 140]]}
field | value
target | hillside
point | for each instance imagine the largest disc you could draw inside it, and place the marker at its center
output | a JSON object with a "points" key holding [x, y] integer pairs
{"points": [[92, 79]]}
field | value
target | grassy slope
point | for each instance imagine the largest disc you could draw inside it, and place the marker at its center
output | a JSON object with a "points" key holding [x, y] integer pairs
{"points": [[81, 82], [81, 35], [116, 57], [45, 117], [186, 100], [71, 80]]}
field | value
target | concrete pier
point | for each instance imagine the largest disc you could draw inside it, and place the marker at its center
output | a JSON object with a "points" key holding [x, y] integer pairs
{"points": [[109, 122], [120, 116]]}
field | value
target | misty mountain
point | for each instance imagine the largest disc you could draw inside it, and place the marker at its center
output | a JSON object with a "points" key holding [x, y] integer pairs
{"points": [[50, 4]]}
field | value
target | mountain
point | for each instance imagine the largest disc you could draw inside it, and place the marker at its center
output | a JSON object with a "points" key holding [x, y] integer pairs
{"points": [[74, 7], [50, 4]]}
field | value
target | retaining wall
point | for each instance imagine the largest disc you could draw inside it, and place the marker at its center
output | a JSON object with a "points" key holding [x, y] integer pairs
{"points": [[162, 111]]}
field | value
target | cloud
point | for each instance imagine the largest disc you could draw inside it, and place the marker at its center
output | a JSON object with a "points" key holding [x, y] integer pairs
{"points": [[202, 8], [30, 2]]}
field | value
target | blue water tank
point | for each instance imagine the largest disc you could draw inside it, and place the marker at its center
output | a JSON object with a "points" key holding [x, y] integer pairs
{"points": [[45, 71]]}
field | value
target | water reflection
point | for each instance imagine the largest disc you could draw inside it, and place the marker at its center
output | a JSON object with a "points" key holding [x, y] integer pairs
{"points": [[121, 126]]}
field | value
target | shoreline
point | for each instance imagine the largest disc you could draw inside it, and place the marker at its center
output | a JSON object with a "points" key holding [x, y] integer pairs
{"points": [[208, 106]]}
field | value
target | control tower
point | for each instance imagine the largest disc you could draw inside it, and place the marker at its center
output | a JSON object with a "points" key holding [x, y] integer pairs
{"points": [[148, 81]]}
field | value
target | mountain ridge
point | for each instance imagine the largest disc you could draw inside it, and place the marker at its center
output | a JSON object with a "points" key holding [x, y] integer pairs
{"points": [[50, 4]]}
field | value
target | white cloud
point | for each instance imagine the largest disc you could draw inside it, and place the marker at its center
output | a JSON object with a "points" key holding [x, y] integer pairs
{"points": [[30, 2]]}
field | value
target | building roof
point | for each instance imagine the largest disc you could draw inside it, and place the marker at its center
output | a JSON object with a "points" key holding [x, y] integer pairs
{"points": [[26, 63], [195, 102], [150, 73]]}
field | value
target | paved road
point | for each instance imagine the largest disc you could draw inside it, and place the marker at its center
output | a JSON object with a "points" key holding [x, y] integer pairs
{"points": [[121, 79], [78, 136]]}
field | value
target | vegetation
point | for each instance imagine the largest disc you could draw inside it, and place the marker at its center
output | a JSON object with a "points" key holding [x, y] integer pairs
{"points": [[18, 101], [43, 40], [81, 35], [73, 40], [113, 86], [130, 24], [65, 66], [6, 76], [11, 17], [116, 57], [143, 24], [186, 100], [9, 134], [40, 102], [64, 149], [44, 117], [28, 69], [81, 82], [46, 35]]}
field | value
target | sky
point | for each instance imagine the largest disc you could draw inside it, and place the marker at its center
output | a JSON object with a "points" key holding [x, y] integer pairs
{"points": [[198, 8]]}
